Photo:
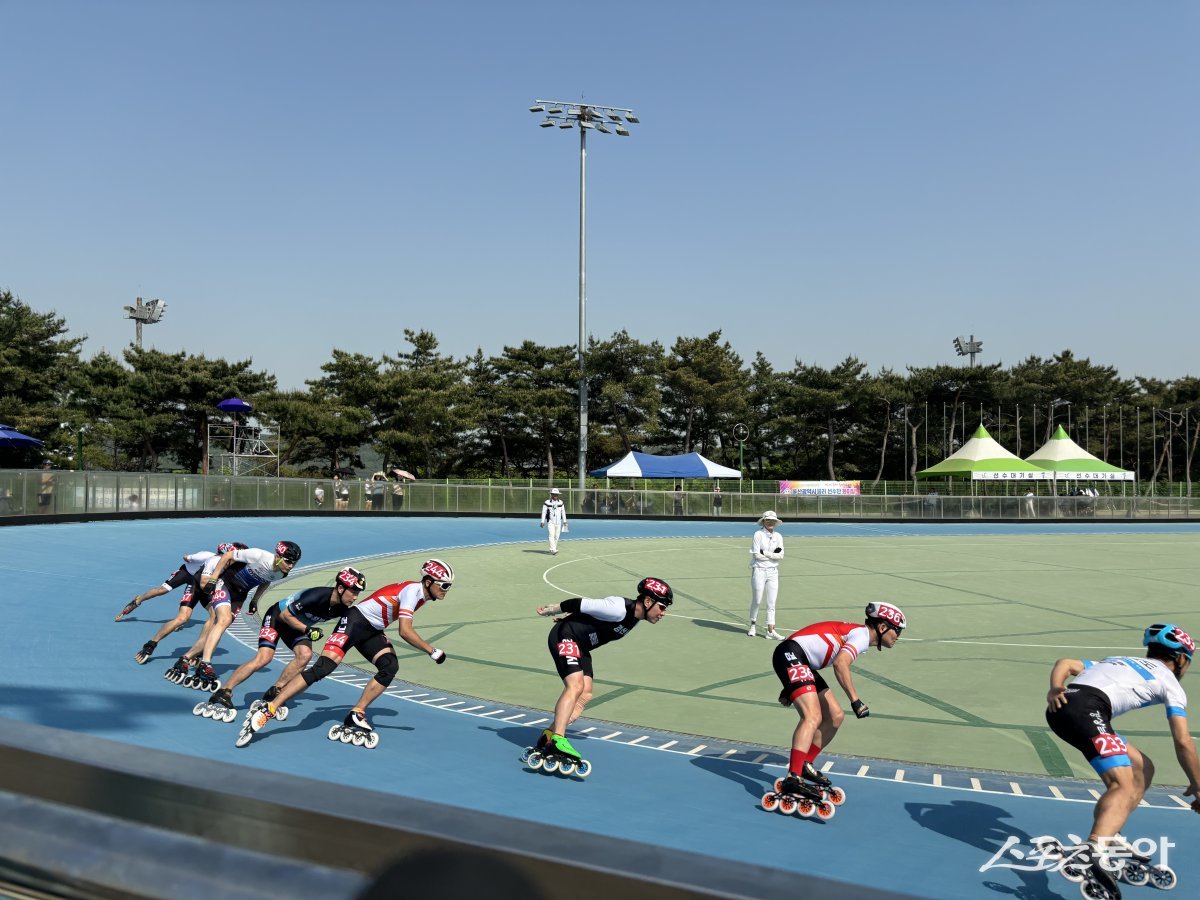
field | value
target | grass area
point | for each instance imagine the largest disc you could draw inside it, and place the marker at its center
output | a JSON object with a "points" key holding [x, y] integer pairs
{"points": [[988, 616]]}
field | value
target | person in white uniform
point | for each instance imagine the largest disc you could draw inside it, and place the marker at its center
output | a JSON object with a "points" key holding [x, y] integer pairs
{"points": [[554, 518], [766, 550]]}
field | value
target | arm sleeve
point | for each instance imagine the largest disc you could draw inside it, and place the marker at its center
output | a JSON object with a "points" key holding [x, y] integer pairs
{"points": [[1175, 701], [545, 510], [572, 605], [610, 609]]}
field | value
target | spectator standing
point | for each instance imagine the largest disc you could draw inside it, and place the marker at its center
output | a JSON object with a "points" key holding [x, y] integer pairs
{"points": [[766, 550], [398, 494], [319, 496], [377, 487], [679, 501], [717, 500], [554, 518], [341, 493], [46, 488]]}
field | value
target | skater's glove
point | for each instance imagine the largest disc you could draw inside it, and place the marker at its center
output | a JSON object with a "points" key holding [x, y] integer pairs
{"points": [[315, 634], [437, 656], [860, 709], [253, 607]]}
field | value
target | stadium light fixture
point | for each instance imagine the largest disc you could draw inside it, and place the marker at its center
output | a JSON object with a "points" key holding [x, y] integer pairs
{"points": [[590, 118], [968, 347], [145, 314]]}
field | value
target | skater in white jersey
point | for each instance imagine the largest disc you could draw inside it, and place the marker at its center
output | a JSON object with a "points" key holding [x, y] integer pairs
{"points": [[1081, 714]]}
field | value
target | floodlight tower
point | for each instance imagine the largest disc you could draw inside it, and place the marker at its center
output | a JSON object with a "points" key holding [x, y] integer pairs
{"points": [[968, 347], [588, 117], [146, 314]]}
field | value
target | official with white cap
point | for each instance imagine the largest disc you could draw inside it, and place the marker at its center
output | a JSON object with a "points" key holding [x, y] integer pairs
{"points": [[766, 550], [554, 518]]}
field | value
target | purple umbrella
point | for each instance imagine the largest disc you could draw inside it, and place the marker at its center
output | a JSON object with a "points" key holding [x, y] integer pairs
{"points": [[234, 405], [10, 437]]}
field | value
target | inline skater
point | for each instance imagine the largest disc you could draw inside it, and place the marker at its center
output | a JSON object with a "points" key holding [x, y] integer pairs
{"points": [[798, 661], [292, 620], [227, 580], [1081, 715], [186, 574], [362, 628], [588, 624]]}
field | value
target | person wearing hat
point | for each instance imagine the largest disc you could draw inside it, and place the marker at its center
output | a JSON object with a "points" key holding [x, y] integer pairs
{"points": [[766, 550], [554, 518]]}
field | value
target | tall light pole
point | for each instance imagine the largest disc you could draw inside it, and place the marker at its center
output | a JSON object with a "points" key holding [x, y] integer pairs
{"points": [[968, 347], [587, 117], [148, 314]]}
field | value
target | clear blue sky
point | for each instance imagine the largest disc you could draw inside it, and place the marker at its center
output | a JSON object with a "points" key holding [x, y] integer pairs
{"points": [[815, 179]]}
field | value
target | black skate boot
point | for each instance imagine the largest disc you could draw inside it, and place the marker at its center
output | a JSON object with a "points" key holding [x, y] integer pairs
{"points": [[813, 775], [143, 656], [218, 707], [792, 795], [179, 671], [205, 678], [356, 730], [129, 607]]}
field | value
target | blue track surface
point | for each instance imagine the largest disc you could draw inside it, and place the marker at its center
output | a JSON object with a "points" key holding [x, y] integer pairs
{"points": [[66, 664]]}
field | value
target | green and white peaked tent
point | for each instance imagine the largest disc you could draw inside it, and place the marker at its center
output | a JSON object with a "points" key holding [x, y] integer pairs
{"points": [[1070, 462], [983, 459]]}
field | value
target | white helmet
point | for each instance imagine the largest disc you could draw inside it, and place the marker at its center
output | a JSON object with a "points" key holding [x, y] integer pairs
{"points": [[438, 571], [888, 613]]}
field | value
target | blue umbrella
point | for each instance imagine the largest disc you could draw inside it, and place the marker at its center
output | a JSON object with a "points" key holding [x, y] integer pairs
{"points": [[234, 405], [10, 437]]}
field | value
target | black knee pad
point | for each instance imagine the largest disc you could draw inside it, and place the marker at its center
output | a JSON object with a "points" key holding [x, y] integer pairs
{"points": [[314, 673], [388, 666]]}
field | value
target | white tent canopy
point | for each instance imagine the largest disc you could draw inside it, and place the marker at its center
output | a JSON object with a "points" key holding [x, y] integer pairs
{"points": [[1070, 462]]}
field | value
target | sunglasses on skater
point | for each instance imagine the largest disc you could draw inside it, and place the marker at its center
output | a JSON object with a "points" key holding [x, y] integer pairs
{"points": [[444, 585]]}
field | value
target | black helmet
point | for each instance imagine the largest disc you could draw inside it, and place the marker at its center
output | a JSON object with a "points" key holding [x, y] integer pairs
{"points": [[657, 590], [352, 579], [288, 550]]}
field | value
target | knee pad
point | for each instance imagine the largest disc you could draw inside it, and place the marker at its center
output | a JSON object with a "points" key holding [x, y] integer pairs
{"points": [[388, 666], [323, 666]]}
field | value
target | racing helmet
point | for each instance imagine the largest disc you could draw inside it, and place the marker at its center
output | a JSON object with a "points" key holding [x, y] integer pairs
{"points": [[437, 570], [657, 589], [232, 545], [288, 550], [1170, 636], [352, 579], [886, 612]]}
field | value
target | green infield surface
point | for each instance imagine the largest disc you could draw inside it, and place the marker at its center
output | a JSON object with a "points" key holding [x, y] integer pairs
{"points": [[965, 686]]}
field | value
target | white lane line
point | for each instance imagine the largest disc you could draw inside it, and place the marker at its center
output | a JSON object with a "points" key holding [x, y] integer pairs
{"points": [[1016, 789], [899, 776], [697, 749], [638, 740], [862, 771], [668, 744], [975, 785], [609, 737]]}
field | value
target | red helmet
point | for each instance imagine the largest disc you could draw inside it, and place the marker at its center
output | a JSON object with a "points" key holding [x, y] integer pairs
{"points": [[352, 579]]}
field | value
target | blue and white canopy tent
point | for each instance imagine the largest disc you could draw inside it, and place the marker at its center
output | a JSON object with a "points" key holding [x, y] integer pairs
{"points": [[648, 465]]}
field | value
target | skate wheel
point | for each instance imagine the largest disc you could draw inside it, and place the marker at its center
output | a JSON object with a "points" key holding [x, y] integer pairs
{"points": [[583, 768], [198, 709], [1163, 878], [346, 736], [358, 739], [787, 805], [281, 714], [770, 802], [1073, 872], [187, 681], [837, 796], [335, 732], [779, 785], [550, 765], [567, 768], [243, 737], [372, 740], [215, 685], [1093, 891], [229, 715], [534, 761], [804, 807], [826, 811]]}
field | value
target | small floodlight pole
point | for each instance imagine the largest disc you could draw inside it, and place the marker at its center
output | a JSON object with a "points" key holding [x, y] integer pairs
{"points": [[146, 314], [588, 117], [968, 347]]}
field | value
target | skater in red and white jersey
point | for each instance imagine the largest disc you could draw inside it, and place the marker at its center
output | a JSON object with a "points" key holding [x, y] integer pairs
{"points": [[362, 628], [798, 661]]}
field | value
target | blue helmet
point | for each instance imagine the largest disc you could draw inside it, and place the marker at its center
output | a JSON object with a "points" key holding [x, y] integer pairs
{"points": [[1170, 636]]}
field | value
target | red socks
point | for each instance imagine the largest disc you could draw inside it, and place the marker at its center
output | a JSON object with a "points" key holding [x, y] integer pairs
{"points": [[800, 757]]}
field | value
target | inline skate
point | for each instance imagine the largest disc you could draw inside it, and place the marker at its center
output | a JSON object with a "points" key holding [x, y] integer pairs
{"points": [[1083, 865], [129, 607], [1138, 870], [793, 796], [179, 671], [281, 712], [204, 679], [554, 753], [143, 656], [356, 730], [219, 706]]}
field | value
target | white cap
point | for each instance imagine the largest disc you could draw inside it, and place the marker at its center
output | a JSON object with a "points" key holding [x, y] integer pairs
{"points": [[555, 491], [769, 514]]}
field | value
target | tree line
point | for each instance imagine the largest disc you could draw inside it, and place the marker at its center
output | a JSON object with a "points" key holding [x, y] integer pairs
{"points": [[515, 414]]}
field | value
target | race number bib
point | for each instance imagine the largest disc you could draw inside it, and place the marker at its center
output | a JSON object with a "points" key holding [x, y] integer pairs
{"points": [[800, 674], [569, 649], [1110, 745]]}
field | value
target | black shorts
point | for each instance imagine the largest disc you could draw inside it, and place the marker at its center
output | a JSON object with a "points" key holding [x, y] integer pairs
{"points": [[795, 673], [568, 651], [180, 577], [1085, 722], [353, 630], [194, 595], [274, 630]]}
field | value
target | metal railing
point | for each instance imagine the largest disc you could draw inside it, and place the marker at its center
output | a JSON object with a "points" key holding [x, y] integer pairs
{"points": [[87, 494]]}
